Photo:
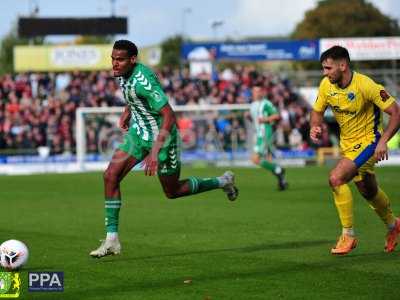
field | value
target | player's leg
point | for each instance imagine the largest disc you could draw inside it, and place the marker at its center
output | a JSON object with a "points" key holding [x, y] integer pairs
{"points": [[260, 156], [343, 172], [255, 158], [263, 157], [268, 164], [119, 166], [279, 171], [123, 160], [379, 202], [121, 163], [173, 187]]}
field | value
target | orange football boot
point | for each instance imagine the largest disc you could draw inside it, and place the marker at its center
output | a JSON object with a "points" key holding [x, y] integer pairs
{"points": [[344, 245], [391, 237]]}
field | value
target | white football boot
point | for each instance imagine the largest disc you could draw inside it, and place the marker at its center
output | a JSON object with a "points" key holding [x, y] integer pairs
{"points": [[229, 187], [107, 247]]}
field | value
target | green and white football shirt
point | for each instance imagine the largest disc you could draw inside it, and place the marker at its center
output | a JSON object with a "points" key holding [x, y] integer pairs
{"points": [[144, 96], [263, 131]]}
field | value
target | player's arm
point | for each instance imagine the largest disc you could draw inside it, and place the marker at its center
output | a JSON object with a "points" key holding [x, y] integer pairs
{"points": [[270, 114], [270, 119], [316, 120], [381, 150], [377, 94], [125, 119], [317, 114]]}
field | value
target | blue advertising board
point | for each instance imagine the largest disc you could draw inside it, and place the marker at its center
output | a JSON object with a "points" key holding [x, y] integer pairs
{"points": [[274, 50]]}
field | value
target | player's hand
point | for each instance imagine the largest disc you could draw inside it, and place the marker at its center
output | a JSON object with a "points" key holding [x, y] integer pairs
{"points": [[124, 122], [262, 120], [315, 133], [381, 151], [150, 163]]}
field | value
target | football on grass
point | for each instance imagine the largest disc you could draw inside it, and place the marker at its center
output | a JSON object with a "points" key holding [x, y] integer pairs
{"points": [[13, 254]]}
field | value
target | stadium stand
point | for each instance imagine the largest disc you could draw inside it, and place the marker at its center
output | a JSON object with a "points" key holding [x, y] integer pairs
{"points": [[38, 109]]}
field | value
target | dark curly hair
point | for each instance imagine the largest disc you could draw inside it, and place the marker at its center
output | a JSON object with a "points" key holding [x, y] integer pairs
{"points": [[126, 45]]}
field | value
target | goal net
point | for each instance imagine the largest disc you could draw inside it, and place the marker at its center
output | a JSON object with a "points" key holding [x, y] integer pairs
{"points": [[210, 134]]}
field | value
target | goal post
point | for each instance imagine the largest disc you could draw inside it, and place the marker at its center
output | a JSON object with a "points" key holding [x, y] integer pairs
{"points": [[194, 114], [80, 133]]}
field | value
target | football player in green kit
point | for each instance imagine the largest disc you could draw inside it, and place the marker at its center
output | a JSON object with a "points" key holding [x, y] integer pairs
{"points": [[264, 114], [151, 138]]}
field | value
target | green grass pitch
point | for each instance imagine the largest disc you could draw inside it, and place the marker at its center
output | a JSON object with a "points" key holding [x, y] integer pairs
{"points": [[266, 245]]}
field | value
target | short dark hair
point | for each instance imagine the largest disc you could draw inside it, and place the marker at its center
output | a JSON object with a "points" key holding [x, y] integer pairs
{"points": [[126, 45], [335, 52]]}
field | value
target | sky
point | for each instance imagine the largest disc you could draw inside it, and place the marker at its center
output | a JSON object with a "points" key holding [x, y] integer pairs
{"points": [[150, 22]]}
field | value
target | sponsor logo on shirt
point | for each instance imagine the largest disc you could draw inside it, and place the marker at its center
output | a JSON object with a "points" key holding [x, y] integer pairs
{"points": [[157, 96], [337, 109], [384, 95], [351, 96]]}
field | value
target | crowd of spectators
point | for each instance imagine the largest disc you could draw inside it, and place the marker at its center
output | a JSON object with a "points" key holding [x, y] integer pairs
{"points": [[38, 109]]}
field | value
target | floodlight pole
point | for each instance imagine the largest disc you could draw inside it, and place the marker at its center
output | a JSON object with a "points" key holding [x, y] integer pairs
{"points": [[185, 11], [215, 24], [113, 7]]}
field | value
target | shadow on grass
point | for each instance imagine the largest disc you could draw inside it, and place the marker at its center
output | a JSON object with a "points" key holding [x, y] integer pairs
{"points": [[381, 255], [261, 247], [131, 287]]}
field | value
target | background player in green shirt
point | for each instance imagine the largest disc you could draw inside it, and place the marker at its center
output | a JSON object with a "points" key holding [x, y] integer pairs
{"points": [[264, 114], [151, 138]]}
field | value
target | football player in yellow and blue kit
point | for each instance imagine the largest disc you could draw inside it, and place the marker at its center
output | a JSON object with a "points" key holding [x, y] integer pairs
{"points": [[357, 103]]}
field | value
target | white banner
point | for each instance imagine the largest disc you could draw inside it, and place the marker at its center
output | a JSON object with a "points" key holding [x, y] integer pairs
{"points": [[45, 58], [374, 48], [75, 56]]}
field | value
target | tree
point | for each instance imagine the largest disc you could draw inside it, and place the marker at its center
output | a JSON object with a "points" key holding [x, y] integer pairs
{"points": [[93, 39], [345, 18], [7, 49], [12, 39], [171, 51]]}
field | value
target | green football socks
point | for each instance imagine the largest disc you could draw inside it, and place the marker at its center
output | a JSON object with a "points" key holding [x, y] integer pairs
{"points": [[199, 185], [112, 207], [268, 166]]}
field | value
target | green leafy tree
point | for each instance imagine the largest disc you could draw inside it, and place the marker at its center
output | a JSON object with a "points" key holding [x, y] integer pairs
{"points": [[93, 39], [345, 18], [171, 51], [12, 39], [7, 49]]}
